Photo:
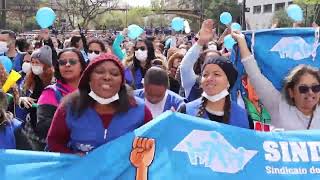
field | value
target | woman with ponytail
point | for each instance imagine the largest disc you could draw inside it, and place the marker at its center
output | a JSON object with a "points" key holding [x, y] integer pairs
{"points": [[218, 75]]}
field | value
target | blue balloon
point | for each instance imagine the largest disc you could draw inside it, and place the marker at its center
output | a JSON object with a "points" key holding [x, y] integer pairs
{"points": [[45, 17], [6, 63], [177, 24], [295, 12], [134, 31], [229, 42], [236, 27], [225, 18]]}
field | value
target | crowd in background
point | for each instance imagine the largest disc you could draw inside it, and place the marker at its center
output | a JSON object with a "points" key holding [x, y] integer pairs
{"points": [[80, 91]]}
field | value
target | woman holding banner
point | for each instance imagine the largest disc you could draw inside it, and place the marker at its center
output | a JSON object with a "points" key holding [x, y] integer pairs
{"points": [[297, 107], [100, 111], [218, 76]]}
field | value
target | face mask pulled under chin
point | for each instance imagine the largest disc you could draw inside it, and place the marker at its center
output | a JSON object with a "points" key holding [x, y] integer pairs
{"points": [[216, 97], [101, 100]]}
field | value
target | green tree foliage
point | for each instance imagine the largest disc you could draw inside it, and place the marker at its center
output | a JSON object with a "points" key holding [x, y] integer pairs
{"points": [[111, 20], [311, 9], [136, 15], [116, 20], [87, 10], [21, 13], [282, 19], [212, 9]]}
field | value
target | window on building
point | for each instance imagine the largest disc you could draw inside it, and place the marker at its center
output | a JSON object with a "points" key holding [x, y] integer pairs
{"points": [[256, 9], [267, 8], [291, 2], [187, 6], [279, 6]]}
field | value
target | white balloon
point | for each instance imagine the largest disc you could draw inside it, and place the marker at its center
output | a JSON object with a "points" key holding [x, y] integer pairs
{"points": [[186, 27], [187, 30]]}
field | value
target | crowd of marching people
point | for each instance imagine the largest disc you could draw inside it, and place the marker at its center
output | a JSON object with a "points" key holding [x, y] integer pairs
{"points": [[78, 93]]}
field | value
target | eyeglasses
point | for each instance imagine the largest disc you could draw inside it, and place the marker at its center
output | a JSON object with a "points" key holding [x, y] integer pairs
{"points": [[65, 62], [142, 48], [96, 52], [304, 89]]}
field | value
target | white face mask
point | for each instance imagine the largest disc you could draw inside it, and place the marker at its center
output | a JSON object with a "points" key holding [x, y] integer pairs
{"points": [[216, 97], [3, 47], [26, 67], [212, 47], [37, 70], [141, 55], [101, 100], [92, 56]]}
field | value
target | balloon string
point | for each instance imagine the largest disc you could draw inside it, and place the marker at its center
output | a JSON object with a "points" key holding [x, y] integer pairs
{"points": [[252, 42], [318, 10]]}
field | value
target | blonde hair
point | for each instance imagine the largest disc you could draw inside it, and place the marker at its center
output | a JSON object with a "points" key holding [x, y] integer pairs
{"points": [[176, 55]]}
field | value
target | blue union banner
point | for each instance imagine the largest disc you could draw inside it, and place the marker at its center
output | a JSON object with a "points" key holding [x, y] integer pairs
{"points": [[178, 146]]}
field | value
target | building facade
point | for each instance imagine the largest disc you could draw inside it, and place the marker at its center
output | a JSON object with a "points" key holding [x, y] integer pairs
{"points": [[262, 12]]}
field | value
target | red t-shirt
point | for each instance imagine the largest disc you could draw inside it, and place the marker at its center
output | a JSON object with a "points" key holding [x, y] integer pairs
{"points": [[59, 133]]}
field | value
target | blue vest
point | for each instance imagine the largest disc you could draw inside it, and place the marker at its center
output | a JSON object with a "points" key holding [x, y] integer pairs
{"points": [[134, 79], [195, 92], [173, 99], [17, 62], [58, 90], [87, 131], [7, 138], [238, 116]]}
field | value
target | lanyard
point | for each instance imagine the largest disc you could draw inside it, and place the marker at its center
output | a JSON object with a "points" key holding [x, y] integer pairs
{"points": [[310, 121]]}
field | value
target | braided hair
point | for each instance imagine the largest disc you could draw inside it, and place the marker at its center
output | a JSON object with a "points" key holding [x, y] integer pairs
{"points": [[226, 109]]}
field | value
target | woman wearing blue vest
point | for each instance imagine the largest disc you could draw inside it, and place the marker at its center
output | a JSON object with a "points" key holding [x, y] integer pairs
{"points": [[140, 63], [218, 75], [191, 64], [156, 93], [100, 111], [8, 125]]}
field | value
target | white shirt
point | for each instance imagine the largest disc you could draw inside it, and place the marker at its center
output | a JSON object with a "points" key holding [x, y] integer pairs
{"points": [[283, 115], [157, 109]]}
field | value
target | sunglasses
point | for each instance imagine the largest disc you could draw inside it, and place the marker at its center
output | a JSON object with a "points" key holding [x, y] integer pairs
{"points": [[142, 48], [304, 89], [96, 52], [65, 62]]}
